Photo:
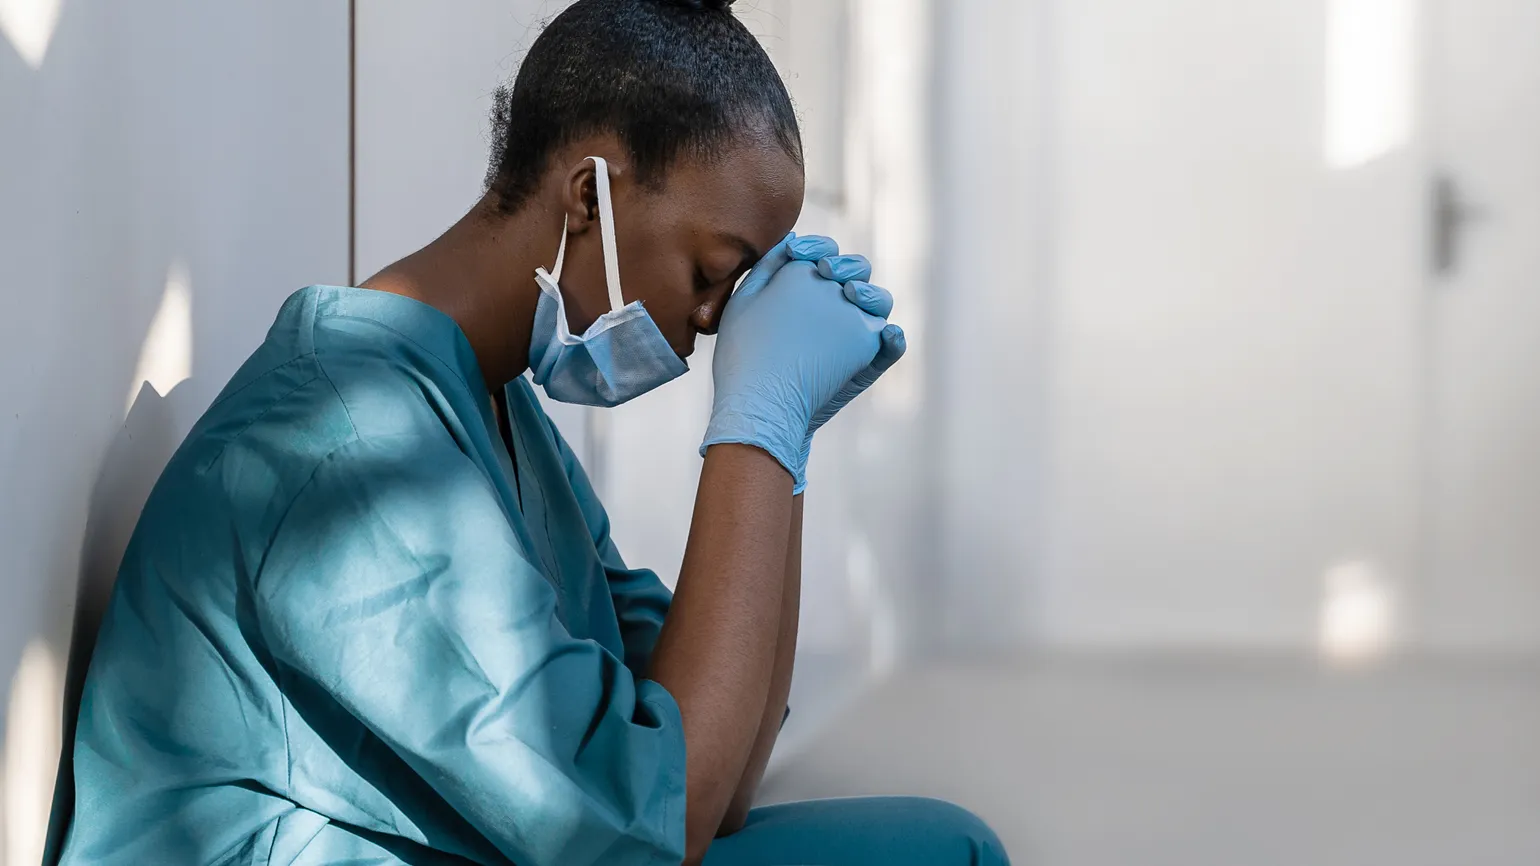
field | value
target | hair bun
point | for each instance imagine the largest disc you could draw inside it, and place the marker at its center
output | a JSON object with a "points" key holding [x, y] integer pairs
{"points": [[702, 5]]}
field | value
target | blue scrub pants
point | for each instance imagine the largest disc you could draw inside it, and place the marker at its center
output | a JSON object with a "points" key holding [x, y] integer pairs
{"points": [[869, 831]]}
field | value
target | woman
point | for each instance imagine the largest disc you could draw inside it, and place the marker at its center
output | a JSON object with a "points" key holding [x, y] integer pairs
{"points": [[372, 612]]}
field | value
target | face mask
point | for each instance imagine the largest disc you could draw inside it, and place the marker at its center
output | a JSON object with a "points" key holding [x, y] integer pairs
{"points": [[621, 356]]}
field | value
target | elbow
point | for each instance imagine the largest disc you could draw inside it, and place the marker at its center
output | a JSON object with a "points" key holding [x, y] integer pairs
{"points": [[695, 849], [700, 834], [737, 816]]}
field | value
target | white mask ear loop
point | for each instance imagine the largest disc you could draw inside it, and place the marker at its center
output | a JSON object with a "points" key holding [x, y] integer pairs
{"points": [[561, 252], [607, 232], [606, 236]]}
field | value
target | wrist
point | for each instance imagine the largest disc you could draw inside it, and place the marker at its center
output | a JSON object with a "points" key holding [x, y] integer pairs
{"points": [[739, 435], [743, 423], [803, 457], [747, 459]]}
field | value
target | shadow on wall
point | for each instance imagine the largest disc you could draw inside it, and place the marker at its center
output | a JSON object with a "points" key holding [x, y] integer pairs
{"points": [[151, 149], [132, 464]]}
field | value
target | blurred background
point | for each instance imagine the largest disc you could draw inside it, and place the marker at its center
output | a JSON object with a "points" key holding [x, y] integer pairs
{"points": [[1202, 524]]}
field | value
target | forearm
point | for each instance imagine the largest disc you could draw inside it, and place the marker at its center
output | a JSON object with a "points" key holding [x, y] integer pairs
{"points": [[780, 684], [717, 654]]}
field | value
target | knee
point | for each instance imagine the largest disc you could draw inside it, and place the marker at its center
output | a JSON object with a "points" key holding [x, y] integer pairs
{"points": [[954, 827]]}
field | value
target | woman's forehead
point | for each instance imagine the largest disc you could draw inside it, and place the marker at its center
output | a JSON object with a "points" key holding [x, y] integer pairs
{"points": [[754, 192]]}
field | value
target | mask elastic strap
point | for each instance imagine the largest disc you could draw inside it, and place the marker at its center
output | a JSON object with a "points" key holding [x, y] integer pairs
{"points": [[561, 252], [607, 233], [606, 236]]}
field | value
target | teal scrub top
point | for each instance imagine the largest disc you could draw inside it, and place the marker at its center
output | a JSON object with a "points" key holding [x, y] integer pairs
{"points": [[351, 627]]}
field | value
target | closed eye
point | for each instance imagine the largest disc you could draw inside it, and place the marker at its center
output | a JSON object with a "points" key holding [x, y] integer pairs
{"points": [[704, 283]]}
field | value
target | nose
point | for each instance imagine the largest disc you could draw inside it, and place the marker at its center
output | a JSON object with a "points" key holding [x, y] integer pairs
{"points": [[707, 317]]}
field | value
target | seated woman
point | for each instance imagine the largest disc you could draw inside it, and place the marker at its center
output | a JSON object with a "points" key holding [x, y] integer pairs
{"points": [[372, 612]]}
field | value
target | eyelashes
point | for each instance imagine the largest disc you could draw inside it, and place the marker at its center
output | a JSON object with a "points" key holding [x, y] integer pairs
{"points": [[704, 284]]}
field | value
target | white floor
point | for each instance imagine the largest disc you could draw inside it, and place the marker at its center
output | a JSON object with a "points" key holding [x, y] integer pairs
{"points": [[1206, 762]]}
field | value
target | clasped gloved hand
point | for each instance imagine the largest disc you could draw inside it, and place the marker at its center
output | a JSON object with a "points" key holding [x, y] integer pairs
{"points": [[802, 337]]}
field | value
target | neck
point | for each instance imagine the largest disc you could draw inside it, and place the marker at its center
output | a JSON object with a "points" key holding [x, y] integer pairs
{"points": [[481, 273]]}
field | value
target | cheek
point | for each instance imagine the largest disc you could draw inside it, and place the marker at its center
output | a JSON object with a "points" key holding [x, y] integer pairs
{"points": [[658, 268], [666, 287]]}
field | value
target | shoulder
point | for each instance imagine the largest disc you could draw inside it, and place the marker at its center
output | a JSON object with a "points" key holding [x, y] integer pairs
{"points": [[358, 403], [408, 482], [385, 509]]}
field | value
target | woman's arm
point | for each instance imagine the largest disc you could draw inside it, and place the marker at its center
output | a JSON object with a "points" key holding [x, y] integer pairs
{"points": [[790, 344], [780, 685], [717, 653]]}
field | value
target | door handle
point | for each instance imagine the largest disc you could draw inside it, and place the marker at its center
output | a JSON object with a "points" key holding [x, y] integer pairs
{"points": [[1451, 214]]}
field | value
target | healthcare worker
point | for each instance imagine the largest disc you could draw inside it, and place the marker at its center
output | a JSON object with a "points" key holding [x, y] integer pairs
{"points": [[372, 612]]}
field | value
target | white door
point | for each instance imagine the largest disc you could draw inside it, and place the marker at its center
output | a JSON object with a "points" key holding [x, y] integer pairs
{"points": [[1236, 357], [1484, 545]]}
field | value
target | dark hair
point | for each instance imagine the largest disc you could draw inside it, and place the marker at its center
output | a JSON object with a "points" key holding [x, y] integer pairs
{"points": [[669, 77]]}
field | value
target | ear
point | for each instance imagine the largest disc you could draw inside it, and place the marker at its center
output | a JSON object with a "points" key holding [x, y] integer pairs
{"points": [[580, 198]]}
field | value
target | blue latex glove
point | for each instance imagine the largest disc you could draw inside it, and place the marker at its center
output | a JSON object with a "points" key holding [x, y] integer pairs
{"points": [[789, 343], [893, 346], [854, 271]]}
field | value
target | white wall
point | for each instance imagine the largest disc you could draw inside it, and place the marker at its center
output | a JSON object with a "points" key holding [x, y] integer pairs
{"points": [[425, 80], [170, 170], [993, 312]]}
